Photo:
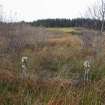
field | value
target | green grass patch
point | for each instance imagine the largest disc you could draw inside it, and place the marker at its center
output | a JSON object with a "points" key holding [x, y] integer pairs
{"points": [[65, 30]]}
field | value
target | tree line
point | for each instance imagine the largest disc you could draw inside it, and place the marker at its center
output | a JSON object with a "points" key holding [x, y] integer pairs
{"points": [[79, 22]]}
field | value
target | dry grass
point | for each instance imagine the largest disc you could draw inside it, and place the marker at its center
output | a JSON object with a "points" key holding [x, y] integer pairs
{"points": [[55, 68], [64, 30], [69, 40]]}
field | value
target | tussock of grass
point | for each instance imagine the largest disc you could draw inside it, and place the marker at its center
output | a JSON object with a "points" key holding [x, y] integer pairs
{"points": [[50, 92]]}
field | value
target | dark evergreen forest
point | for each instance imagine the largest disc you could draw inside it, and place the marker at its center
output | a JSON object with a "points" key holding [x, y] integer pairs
{"points": [[79, 22]]}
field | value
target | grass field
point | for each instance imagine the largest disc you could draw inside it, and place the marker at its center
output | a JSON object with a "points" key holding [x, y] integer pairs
{"points": [[55, 72], [73, 31], [66, 30]]}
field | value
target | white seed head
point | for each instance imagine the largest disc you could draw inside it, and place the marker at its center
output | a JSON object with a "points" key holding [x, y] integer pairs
{"points": [[24, 58], [86, 64]]}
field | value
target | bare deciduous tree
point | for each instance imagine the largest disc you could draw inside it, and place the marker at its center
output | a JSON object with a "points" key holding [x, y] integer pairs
{"points": [[0, 13], [97, 12]]}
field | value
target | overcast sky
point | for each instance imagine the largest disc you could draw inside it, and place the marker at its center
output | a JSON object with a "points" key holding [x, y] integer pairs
{"points": [[30, 10]]}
